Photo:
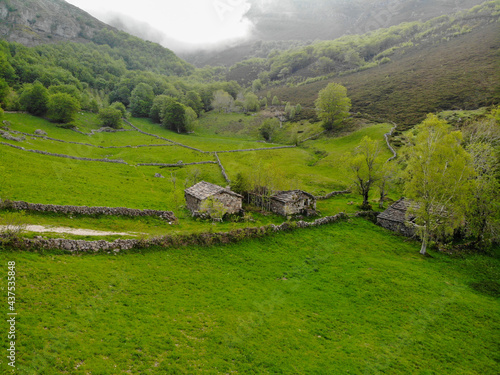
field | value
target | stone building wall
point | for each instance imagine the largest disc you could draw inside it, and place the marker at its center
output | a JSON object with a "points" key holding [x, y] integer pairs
{"points": [[405, 230], [192, 203], [231, 203]]}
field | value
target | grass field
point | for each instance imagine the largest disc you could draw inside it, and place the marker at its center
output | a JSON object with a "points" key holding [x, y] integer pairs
{"points": [[314, 166], [345, 298]]}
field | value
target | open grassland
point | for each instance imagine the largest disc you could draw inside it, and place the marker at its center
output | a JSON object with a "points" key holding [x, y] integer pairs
{"points": [[37, 178], [346, 298], [315, 166]]}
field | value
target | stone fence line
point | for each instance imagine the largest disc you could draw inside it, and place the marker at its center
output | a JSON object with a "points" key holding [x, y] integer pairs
{"points": [[255, 149], [224, 174], [65, 156], [84, 210], [197, 239], [84, 144], [386, 136], [105, 129], [165, 139], [332, 194], [174, 165]]}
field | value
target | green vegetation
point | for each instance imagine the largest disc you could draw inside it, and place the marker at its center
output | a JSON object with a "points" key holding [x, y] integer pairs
{"points": [[360, 297]]}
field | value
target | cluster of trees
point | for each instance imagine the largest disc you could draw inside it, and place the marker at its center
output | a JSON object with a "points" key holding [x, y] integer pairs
{"points": [[450, 176]]}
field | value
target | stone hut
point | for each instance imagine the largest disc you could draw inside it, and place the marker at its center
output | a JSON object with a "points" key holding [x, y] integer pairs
{"points": [[200, 192], [293, 202], [395, 219]]}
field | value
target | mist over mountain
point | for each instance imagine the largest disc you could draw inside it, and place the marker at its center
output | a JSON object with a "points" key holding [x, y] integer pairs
{"points": [[309, 20]]}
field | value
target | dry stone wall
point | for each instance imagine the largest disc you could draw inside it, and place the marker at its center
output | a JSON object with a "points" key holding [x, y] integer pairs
{"points": [[198, 239], [65, 156], [84, 210]]}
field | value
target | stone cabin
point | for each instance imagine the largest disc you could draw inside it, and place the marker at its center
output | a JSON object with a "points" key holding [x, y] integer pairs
{"points": [[293, 202], [394, 218], [200, 192]]}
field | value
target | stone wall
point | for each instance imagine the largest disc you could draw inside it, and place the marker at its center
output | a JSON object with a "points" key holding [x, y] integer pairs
{"points": [[192, 203], [224, 174], [198, 239], [230, 202], [405, 230], [65, 156], [332, 194], [84, 210], [174, 165]]}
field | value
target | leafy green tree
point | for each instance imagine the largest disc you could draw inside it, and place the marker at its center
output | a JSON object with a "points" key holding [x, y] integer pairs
{"points": [[437, 180], [222, 101], [333, 105], [34, 99], [483, 213], [256, 85], [62, 108], [111, 117], [269, 128], [214, 208], [251, 102], [120, 107], [193, 100], [67, 89], [189, 119], [160, 103], [275, 101], [141, 100], [240, 184], [175, 117], [365, 165], [4, 90]]}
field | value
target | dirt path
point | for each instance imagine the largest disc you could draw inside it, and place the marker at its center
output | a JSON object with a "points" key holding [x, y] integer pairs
{"points": [[78, 232]]}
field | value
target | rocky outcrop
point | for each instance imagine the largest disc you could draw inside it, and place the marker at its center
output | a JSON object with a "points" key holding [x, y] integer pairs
{"points": [[33, 22]]}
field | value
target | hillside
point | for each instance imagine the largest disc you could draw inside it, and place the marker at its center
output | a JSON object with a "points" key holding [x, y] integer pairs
{"points": [[459, 74], [282, 25], [41, 22], [343, 298]]}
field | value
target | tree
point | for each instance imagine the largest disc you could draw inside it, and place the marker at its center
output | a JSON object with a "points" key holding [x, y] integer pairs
{"points": [[62, 108], [268, 128], [275, 101], [175, 116], [437, 180], [222, 101], [141, 100], [483, 213], [365, 165], [214, 208], [384, 182], [333, 105], [251, 102], [189, 119], [110, 117], [160, 103], [34, 99], [120, 107], [193, 100]]}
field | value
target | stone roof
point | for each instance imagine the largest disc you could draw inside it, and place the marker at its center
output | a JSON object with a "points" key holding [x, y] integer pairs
{"points": [[290, 196], [397, 212], [203, 190]]}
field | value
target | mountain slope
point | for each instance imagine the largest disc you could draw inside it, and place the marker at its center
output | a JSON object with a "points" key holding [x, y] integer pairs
{"points": [[46, 21], [39, 22], [459, 74]]}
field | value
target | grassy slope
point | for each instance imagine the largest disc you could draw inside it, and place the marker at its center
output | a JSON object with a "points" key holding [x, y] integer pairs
{"points": [[348, 298], [36, 178], [423, 81]]}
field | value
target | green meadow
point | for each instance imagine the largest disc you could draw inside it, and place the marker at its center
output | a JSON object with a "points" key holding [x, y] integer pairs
{"points": [[348, 298], [314, 166]]}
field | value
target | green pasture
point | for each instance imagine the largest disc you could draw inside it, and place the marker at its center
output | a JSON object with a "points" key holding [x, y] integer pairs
{"points": [[348, 298]]}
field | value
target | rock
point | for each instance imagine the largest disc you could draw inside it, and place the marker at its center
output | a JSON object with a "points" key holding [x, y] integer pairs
{"points": [[40, 132], [158, 175]]}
